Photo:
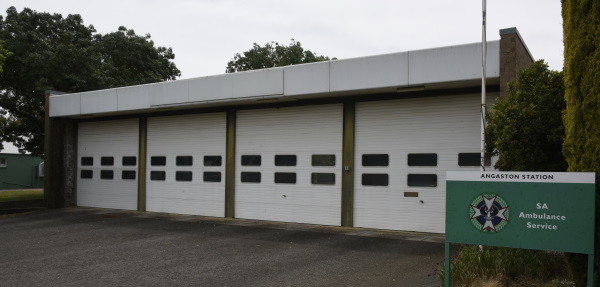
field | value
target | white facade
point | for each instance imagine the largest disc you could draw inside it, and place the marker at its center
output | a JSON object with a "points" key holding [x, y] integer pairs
{"points": [[292, 182], [185, 164], [107, 164], [422, 139], [363, 142]]}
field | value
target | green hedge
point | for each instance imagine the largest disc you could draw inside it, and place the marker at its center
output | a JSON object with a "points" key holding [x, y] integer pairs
{"points": [[581, 27]]}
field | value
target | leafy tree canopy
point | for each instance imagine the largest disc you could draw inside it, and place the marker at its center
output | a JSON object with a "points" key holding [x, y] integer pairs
{"points": [[272, 55], [526, 129], [3, 55], [62, 54]]}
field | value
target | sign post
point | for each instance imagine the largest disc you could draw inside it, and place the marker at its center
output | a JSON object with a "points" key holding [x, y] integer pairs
{"points": [[531, 210]]}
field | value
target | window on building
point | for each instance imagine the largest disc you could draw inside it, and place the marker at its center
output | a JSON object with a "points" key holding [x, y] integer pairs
{"points": [[251, 177], [158, 161], [87, 161], [3, 161], [87, 174], [129, 161], [285, 160], [106, 174], [472, 159], [107, 161], [422, 180], [375, 179], [323, 160], [375, 160], [211, 176], [183, 176], [422, 159], [322, 178], [251, 160], [285, 177], [157, 175], [212, 160], [184, 160], [128, 174]]}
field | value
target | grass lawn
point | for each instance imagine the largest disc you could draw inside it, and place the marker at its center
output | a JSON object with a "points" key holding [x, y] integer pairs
{"points": [[26, 194]]}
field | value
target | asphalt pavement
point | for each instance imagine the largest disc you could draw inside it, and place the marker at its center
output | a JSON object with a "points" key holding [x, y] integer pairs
{"points": [[103, 247]]}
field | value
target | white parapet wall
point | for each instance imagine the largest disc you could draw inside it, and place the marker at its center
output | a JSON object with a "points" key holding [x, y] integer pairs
{"points": [[323, 79]]}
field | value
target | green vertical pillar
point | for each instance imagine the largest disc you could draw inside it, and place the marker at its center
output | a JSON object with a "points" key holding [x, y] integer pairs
{"points": [[143, 137], [348, 165], [590, 272], [447, 264], [230, 166]]}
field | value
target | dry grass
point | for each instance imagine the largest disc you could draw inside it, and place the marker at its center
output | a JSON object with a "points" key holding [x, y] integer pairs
{"points": [[505, 267], [18, 195]]}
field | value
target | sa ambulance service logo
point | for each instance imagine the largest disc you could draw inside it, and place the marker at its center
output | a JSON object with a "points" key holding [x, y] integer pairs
{"points": [[489, 213]]}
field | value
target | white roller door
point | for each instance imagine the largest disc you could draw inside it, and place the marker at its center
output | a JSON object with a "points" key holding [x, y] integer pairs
{"points": [[288, 163], [107, 164], [186, 164], [403, 150]]}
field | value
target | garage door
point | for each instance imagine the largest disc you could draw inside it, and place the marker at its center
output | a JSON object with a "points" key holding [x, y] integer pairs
{"points": [[186, 164], [288, 163], [403, 150], [107, 164]]}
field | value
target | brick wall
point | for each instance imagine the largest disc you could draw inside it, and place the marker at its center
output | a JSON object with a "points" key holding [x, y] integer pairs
{"points": [[514, 57]]}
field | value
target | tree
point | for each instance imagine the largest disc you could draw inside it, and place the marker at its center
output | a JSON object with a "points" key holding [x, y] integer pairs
{"points": [[131, 59], [55, 53], [582, 94], [527, 129], [272, 55], [3, 55]]}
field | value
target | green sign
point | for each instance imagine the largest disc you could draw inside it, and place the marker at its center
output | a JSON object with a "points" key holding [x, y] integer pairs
{"points": [[533, 210]]}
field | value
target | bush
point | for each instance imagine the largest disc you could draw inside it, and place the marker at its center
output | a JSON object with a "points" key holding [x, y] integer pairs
{"points": [[507, 267]]}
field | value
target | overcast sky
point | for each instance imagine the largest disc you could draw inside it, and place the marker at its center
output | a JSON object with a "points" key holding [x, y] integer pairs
{"points": [[205, 34]]}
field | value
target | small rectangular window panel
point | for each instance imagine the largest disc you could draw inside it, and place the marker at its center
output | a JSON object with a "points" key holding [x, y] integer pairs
{"points": [[87, 161], [323, 160], [285, 160], [212, 160], [375, 179], [186, 160], [422, 180], [107, 161], [211, 176], [251, 177], [158, 161], [322, 178], [86, 174], [183, 176], [129, 161], [128, 174], [285, 177], [106, 174], [472, 159], [375, 160], [251, 160], [157, 175], [422, 159]]}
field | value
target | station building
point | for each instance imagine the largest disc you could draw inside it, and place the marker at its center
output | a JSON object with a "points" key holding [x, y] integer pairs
{"points": [[363, 142]]}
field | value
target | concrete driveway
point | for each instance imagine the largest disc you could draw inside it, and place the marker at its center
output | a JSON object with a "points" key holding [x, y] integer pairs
{"points": [[102, 247]]}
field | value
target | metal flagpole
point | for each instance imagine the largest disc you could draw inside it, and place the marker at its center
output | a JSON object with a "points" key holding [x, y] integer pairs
{"points": [[447, 246], [483, 59]]}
